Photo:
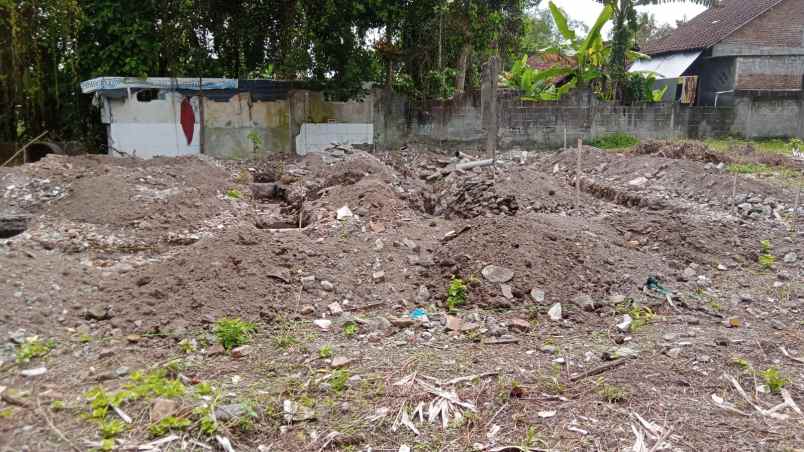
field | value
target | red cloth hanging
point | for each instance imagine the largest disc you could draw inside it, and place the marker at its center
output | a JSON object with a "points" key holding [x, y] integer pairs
{"points": [[187, 119]]}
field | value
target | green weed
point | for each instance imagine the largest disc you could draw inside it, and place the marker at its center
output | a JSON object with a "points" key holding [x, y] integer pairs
{"points": [[774, 379], [612, 393], [168, 424], [32, 348], [111, 428], [350, 329], [234, 193], [338, 380], [456, 294], [766, 259], [204, 389], [614, 141], [233, 333], [325, 352]]}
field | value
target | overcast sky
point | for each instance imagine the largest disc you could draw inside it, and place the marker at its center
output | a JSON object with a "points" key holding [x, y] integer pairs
{"points": [[588, 10]]}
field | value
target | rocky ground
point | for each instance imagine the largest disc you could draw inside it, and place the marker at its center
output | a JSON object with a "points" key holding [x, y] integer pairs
{"points": [[173, 305]]}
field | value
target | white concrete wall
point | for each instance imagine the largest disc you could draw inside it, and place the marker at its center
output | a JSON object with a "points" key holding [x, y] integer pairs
{"points": [[318, 137], [150, 129]]}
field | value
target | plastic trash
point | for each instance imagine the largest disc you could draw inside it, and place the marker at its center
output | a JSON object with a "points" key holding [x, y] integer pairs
{"points": [[418, 313], [654, 284]]}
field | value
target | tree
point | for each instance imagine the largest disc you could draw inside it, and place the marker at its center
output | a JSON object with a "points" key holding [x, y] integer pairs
{"points": [[648, 30], [624, 32]]}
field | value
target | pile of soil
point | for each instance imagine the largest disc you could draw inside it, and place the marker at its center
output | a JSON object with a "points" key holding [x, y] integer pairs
{"points": [[468, 195], [687, 150]]}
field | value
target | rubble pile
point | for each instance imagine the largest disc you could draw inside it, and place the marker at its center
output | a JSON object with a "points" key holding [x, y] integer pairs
{"points": [[688, 150], [468, 196]]}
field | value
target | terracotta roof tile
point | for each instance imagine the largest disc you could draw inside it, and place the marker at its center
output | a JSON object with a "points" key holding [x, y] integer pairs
{"points": [[711, 26]]}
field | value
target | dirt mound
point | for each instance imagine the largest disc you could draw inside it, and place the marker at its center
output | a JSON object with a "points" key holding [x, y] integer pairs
{"points": [[467, 195], [687, 150], [563, 256]]}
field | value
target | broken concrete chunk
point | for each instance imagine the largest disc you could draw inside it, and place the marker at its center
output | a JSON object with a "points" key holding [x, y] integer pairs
{"points": [[162, 408], [339, 362], [584, 302], [323, 324], [497, 274], [423, 295], [555, 312], [35, 372], [335, 308], [454, 323], [410, 244], [519, 325], [625, 325], [507, 291], [242, 351], [228, 412], [378, 276], [327, 286], [98, 312], [296, 412], [308, 282], [638, 182], [344, 213], [537, 294]]}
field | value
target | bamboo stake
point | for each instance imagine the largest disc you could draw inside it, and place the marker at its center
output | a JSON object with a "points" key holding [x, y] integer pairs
{"points": [[578, 175], [22, 149]]}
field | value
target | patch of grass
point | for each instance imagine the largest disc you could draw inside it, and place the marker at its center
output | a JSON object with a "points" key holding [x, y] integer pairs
{"points": [[168, 424], [57, 405], [285, 341], [111, 428], [204, 389], [641, 316], [325, 352], [350, 329], [766, 258], [338, 379], [774, 379], [456, 294], [234, 194], [612, 393], [532, 439], [107, 445], [773, 145], [187, 346], [614, 141], [32, 348], [742, 363], [749, 168], [233, 333]]}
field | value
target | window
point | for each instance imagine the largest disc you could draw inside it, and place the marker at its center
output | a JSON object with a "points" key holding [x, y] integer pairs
{"points": [[147, 95]]}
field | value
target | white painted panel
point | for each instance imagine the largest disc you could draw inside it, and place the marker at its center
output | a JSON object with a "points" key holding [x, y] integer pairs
{"points": [[318, 137], [147, 140]]}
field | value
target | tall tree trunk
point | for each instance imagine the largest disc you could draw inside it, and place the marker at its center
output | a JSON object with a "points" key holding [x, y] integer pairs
{"points": [[463, 64]]}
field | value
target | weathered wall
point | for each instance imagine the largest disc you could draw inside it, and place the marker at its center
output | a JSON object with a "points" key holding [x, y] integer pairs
{"points": [[541, 124], [241, 128]]}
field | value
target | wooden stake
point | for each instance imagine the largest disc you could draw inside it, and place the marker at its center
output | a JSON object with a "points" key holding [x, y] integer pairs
{"points": [[565, 136], [578, 175], [734, 194], [22, 149], [797, 204]]}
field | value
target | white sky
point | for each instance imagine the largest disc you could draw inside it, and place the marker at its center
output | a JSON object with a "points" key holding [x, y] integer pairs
{"points": [[588, 10]]}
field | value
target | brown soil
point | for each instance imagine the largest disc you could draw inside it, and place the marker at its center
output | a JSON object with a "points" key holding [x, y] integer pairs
{"points": [[127, 262]]}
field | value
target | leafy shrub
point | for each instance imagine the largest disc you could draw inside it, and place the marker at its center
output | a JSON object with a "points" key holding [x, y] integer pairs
{"points": [[233, 333], [615, 141], [774, 379], [456, 294], [33, 347]]}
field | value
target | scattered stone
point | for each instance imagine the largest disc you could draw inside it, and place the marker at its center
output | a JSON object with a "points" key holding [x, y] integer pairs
{"points": [[721, 341], [790, 258], [555, 312], [335, 308], [746, 298], [519, 325], [722, 267], [344, 212], [410, 244], [339, 362], [550, 349], [674, 352], [690, 273], [98, 312], [497, 274], [423, 295], [538, 295], [584, 302], [704, 359], [296, 412], [620, 352], [638, 182], [121, 371], [106, 353], [35, 372], [378, 276], [17, 337], [327, 286], [507, 291], [402, 322], [454, 323], [323, 324], [308, 282], [378, 245], [229, 412], [778, 325], [377, 228], [307, 309], [242, 351], [625, 325], [216, 349], [162, 408]]}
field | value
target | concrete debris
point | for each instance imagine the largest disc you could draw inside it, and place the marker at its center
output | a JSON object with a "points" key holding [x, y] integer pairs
{"points": [[35, 372], [344, 213], [555, 312], [538, 295], [497, 274], [339, 362], [323, 324]]}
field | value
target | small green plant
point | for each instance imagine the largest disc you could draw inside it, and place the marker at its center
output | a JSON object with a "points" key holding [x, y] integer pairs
{"points": [[285, 341], [204, 389], [32, 348], [795, 144], [742, 363], [766, 259], [615, 141], [233, 333], [256, 140], [350, 329], [168, 424], [749, 168], [234, 193], [612, 393], [325, 352], [456, 294], [774, 379], [57, 405], [641, 316], [187, 346], [111, 428], [531, 439], [106, 444], [338, 379], [207, 422]]}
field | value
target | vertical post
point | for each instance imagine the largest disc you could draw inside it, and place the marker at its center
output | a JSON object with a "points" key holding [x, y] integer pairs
{"points": [[578, 175], [734, 194], [796, 205], [201, 115], [491, 137], [565, 135], [291, 141]]}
